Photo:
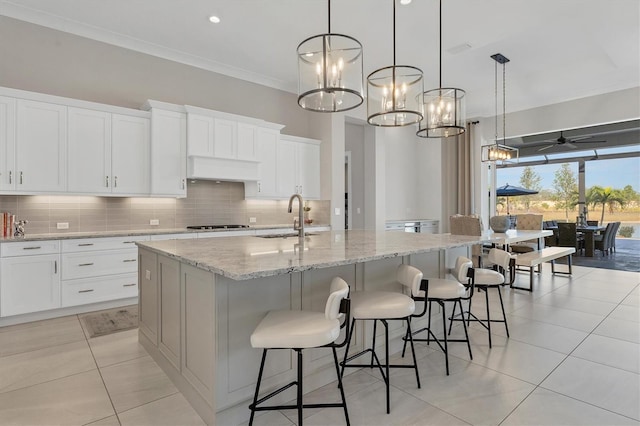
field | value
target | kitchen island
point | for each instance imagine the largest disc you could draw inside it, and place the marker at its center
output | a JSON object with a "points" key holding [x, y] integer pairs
{"points": [[200, 300]]}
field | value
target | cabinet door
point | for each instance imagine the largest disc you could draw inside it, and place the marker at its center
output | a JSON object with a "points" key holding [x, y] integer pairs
{"points": [[267, 152], [199, 135], [7, 143], [287, 158], [130, 155], [29, 284], [247, 142], [168, 153], [148, 294], [89, 151], [225, 138], [41, 142], [309, 170]]}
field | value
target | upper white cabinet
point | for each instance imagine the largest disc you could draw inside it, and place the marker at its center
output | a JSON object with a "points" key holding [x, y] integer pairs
{"points": [[130, 155], [41, 146], [168, 150], [223, 146], [299, 166], [7, 143], [89, 151], [267, 141]]}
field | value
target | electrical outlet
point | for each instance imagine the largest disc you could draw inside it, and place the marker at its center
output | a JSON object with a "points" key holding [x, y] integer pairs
{"points": [[154, 222], [252, 220], [337, 211], [62, 225]]}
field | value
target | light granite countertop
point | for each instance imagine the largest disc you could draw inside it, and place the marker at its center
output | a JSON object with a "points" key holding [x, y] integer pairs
{"points": [[242, 258], [129, 233]]}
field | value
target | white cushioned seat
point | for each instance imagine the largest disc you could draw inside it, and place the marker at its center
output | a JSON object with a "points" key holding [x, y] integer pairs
{"points": [[295, 329], [381, 305], [488, 277], [440, 288]]}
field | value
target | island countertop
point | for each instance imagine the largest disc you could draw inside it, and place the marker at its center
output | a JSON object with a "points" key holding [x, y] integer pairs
{"points": [[242, 258]]}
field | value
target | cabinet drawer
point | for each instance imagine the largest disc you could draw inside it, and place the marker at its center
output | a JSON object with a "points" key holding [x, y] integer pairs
{"points": [[29, 248], [92, 290], [93, 264], [96, 244]]}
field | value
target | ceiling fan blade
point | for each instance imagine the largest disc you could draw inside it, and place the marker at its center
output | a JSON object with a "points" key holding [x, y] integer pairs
{"points": [[579, 138], [570, 145], [546, 147], [589, 141]]}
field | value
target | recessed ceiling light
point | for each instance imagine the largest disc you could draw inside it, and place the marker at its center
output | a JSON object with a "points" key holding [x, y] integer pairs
{"points": [[405, 2], [215, 19]]}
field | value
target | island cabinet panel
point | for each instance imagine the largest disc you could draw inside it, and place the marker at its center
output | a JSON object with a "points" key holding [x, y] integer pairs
{"points": [[241, 306], [148, 298], [198, 330], [170, 301]]}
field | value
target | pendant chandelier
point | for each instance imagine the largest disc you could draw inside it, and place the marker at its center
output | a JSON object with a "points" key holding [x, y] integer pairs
{"points": [[394, 93], [443, 108], [330, 72], [500, 153]]}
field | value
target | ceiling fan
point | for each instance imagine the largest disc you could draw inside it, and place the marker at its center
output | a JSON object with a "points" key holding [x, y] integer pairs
{"points": [[570, 143]]}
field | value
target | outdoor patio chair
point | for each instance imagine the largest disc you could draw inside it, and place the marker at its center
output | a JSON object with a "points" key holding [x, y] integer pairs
{"points": [[568, 237], [605, 241]]}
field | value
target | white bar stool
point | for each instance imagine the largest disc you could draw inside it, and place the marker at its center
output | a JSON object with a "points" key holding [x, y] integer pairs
{"points": [[298, 330], [383, 306], [486, 279], [444, 291]]}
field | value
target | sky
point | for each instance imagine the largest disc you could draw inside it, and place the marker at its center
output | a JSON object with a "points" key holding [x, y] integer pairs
{"points": [[615, 173]]}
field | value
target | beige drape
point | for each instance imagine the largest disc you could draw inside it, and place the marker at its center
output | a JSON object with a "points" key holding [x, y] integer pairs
{"points": [[457, 171]]}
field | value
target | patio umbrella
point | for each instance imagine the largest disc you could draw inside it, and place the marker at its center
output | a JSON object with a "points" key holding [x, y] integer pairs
{"points": [[512, 191]]}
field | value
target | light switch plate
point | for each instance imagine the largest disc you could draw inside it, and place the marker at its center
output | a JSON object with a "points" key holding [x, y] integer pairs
{"points": [[147, 274], [337, 211], [154, 222], [252, 220], [62, 225]]}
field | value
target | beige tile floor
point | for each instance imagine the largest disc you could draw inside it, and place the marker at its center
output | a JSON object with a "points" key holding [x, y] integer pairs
{"points": [[573, 358]]}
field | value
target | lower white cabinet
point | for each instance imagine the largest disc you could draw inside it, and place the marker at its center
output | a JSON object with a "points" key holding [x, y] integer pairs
{"points": [[29, 282], [98, 289]]}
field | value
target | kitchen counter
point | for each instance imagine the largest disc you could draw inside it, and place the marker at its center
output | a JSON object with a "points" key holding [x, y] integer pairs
{"points": [[242, 258], [129, 233], [200, 300]]}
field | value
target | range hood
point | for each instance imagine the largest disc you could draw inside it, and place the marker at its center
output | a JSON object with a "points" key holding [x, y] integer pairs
{"points": [[225, 169]]}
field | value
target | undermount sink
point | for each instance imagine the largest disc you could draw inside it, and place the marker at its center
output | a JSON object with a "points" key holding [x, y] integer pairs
{"points": [[306, 234]]}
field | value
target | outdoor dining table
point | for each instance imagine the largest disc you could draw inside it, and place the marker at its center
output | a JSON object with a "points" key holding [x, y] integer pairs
{"points": [[589, 240]]}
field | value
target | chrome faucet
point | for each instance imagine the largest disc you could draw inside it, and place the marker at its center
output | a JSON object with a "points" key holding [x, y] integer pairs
{"points": [[299, 224]]}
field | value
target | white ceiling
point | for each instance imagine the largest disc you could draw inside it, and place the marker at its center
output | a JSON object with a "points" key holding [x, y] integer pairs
{"points": [[559, 49]]}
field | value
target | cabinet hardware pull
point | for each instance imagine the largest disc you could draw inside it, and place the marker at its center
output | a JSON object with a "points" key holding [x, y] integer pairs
{"points": [[9, 176], [85, 291], [20, 178], [85, 244], [130, 260], [55, 266], [183, 183], [115, 181], [85, 264], [128, 242], [128, 285], [106, 181], [32, 248], [259, 187]]}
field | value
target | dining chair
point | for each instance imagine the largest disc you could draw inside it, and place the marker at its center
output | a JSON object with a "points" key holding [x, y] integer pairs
{"points": [[468, 225], [604, 242], [527, 222], [568, 237]]}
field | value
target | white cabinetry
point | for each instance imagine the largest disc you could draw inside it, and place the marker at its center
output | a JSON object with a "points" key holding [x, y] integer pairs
{"points": [[224, 146], [89, 151], [41, 146], [99, 269], [130, 155], [7, 143], [299, 167], [267, 151], [108, 153], [168, 152], [29, 277]]}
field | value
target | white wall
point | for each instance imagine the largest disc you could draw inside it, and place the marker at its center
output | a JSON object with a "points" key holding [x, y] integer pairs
{"points": [[354, 142]]}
